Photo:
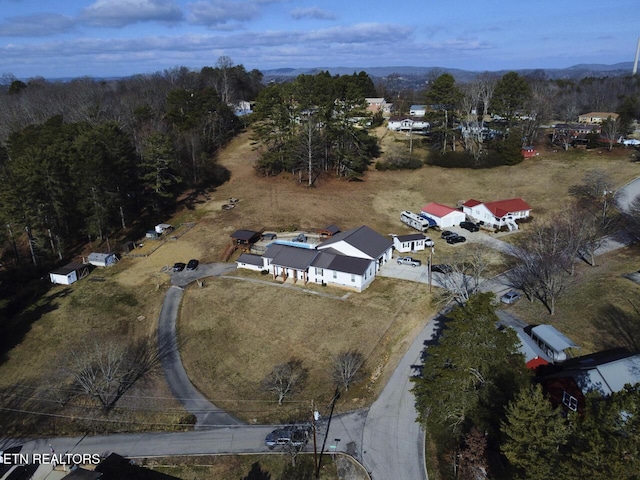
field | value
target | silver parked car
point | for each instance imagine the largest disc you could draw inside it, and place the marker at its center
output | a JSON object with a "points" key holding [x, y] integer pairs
{"points": [[510, 297], [414, 262]]}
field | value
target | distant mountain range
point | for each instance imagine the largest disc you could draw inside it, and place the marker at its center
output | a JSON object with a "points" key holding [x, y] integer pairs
{"points": [[575, 72]]}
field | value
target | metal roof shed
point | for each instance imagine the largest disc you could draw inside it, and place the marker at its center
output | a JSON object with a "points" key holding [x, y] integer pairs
{"points": [[102, 259], [552, 342]]}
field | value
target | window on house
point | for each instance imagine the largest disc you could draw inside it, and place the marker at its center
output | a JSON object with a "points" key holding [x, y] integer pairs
{"points": [[569, 401], [353, 277], [335, 274], [319, 271]]}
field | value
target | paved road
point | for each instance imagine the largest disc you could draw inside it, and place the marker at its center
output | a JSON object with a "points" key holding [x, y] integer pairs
{"points": [[393, 442], [207, 414]]}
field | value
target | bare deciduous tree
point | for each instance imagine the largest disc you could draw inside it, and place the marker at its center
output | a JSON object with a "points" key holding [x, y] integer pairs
{"points": [[611, 131], [286, 379], [544, 263], [105, 372], [347, 367], [466, 275]]}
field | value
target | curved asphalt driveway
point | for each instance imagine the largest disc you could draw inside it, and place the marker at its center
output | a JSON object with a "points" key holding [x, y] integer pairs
{"points": [[207, 414]]}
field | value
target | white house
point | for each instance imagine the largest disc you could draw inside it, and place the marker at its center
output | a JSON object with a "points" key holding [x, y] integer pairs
{"points": [[70, 273], [418, 110], [407, 124], [411, 243], [361, 242], [102, 259], [499, 213], [443, 215], [348, 259]]}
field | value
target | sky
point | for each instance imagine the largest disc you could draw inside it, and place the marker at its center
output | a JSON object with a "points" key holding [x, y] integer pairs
{"points": [[112, 38]]}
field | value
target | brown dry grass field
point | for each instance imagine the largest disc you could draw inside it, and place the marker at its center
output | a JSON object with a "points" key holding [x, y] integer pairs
{"points": [[583, 312], [237, 330], [246, 466]]}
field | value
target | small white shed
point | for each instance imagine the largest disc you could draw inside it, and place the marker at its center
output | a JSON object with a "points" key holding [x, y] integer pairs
{"points": [[102, 259], [411, 243], [69, 274]]}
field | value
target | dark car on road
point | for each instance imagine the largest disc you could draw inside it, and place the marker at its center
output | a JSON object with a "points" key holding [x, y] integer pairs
{"points": [[441, 268], [178, 267], [296, 436], [472, 227], [455, 239], [193, 264], [447, 233]]}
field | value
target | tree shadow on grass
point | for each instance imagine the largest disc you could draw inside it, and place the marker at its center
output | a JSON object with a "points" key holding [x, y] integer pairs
{"points": [[19, 318], [618, 328], [257, 473]]}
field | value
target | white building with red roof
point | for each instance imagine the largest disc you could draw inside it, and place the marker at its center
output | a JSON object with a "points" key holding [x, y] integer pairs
{"points": [[499, 213], [443, 215]]}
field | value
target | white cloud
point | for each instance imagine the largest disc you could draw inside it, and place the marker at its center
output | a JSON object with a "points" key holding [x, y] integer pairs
{"points": [[36, 25], [119, 13], [216, 13], [313, 12]]}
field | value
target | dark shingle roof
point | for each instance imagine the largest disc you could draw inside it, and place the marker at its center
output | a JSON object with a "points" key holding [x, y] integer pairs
{"points": [[251, 259], [411, 237], [364, 239], [68, 268], [341, 263], [246, 235], [294, 257]]}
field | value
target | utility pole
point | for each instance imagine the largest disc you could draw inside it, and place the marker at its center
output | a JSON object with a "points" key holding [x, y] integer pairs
{"points": [[314, 418], [430, 272], [336, 396]]}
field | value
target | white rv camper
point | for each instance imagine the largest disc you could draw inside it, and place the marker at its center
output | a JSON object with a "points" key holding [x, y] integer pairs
{"points": [[414, 221]]}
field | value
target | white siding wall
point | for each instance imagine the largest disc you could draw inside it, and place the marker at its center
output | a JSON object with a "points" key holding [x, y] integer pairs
{"points": [[249, 266], [63, 279], [404, 247]]}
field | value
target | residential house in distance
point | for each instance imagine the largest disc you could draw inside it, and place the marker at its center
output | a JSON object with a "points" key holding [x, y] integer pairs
{"points": [[408, 124], [497, 214], [442, 215], [347, 259], [574, 134], [378, 104], [418, 110], [596, 117]]}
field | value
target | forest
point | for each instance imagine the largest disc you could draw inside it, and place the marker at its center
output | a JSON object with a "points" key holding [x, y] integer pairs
{"points": [[83, 159]]}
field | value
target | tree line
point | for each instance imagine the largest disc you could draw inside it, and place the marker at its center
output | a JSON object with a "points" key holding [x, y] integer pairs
{"points": [[86, 158], [463, 136]]}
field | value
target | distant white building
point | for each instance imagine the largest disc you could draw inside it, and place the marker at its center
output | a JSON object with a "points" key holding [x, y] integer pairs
{"points": [[407, 124], [418, 110]]}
